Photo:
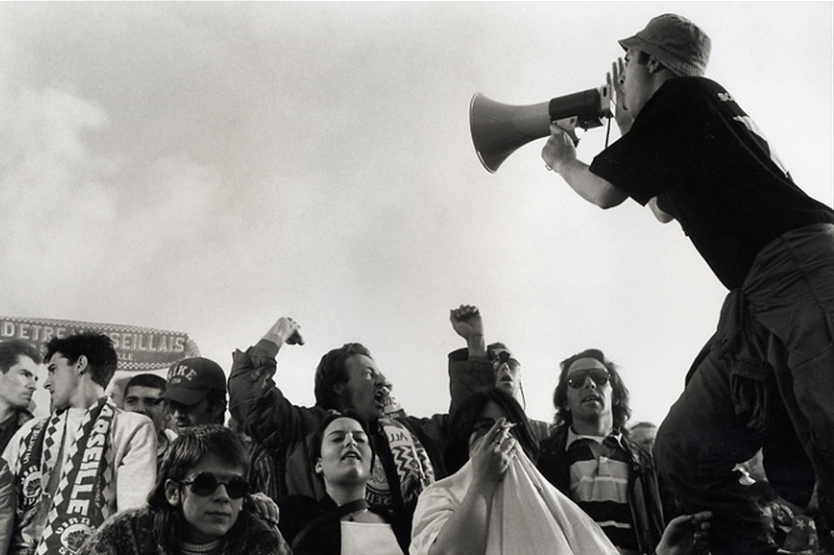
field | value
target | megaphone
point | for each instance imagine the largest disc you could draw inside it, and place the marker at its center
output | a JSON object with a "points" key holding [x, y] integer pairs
{"points": [[499, 129]]}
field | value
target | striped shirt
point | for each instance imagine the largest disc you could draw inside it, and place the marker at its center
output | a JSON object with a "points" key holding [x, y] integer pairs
{"points": [[599, 469]]}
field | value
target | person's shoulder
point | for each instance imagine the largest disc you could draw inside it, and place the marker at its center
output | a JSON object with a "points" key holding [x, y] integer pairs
{"points": [[131, 419], [25, 429], [262, 538], [640, 453], [690, 89], [557, 436], [126, 519]]}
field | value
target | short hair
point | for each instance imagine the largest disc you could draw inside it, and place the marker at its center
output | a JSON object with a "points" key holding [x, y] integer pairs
{"points": [[620, 409], [96, 347], [12, 349], [317, 437], [497, 345], [463, 420], [146, 380], [186, 452], [331, 371]]}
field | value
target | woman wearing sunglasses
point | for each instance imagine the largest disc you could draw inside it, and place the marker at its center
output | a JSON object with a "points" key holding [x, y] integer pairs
{"points": [[198, 505], [341, 522]]}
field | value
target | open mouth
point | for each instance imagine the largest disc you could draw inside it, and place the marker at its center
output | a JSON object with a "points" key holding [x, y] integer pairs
{"points": [[594, 398], [381, 399], [351, 455]]}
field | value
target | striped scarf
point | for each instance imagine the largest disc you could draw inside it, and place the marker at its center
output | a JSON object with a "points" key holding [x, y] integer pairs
{"points": [[81, 498]]}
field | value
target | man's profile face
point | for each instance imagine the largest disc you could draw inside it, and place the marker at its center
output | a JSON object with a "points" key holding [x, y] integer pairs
{"points": [[146, 400], [635, 84], [366, 390], [19, 383], [62, 380]]}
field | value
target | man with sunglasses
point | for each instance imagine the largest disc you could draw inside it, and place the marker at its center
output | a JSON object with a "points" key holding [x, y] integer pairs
{"points": [[480, 366], [591, 459]]}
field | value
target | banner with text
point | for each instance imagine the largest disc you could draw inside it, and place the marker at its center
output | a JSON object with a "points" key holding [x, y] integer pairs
{"points": [[138, 349]]}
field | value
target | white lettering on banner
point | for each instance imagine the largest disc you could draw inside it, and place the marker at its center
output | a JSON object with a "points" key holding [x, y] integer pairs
{"points": [[136, 348]]}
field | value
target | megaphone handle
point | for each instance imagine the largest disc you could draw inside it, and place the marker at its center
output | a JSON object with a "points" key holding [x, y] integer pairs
{"points": [[568, 125]]}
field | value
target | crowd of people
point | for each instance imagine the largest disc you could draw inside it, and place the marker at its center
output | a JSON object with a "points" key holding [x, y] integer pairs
{"points": [[167, 472]]}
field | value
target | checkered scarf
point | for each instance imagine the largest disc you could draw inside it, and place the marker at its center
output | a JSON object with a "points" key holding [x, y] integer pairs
{"points": [[84, 490]]}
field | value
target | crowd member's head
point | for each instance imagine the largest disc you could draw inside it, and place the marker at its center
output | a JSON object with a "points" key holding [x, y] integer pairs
{"points": [[195, 392], [143, 394], [343, 456], [18, 367], [590, 389], [507, 369], [474, 418], [78, 366], [347, 378], [201, 488], [644, 433]]}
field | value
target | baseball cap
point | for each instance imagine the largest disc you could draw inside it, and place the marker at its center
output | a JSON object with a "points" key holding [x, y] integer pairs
{"points": [[190, 379], [675, 42]]}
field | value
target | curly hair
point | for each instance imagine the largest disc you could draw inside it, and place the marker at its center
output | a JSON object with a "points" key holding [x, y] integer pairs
{"points": [[331, 371], [96, 347], [185, 453], [620, 409], [462, 423]]}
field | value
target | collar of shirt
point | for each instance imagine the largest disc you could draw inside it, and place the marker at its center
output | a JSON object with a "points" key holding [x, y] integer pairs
{"points": [[615, 435]]}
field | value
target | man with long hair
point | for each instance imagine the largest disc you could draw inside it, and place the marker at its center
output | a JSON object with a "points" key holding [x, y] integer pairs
{"points": [[590, 458]]}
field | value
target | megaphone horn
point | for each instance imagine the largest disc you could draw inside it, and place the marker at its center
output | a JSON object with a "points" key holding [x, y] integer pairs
{"points": [[499, 129]]}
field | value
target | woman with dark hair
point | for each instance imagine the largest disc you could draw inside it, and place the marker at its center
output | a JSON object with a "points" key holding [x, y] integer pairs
{"points": [[197, 506], [497, 503], [341, 522]]}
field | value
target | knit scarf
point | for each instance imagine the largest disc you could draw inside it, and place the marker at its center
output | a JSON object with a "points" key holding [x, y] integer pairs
{"points": [[84, 490], [411, 461]]}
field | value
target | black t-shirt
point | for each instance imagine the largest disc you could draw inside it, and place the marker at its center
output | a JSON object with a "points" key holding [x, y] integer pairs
{"points": [[711, 168]]}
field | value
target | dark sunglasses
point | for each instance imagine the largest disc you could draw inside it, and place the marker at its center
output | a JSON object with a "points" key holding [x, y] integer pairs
{"points": [[205, 484], [503, 358], [577, 379]]}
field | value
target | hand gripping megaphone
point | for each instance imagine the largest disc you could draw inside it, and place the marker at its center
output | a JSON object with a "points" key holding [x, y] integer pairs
{"points": [[499, 129]]}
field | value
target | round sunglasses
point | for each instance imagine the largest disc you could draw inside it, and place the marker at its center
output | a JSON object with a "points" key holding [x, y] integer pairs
{"points": [[577, 379], [205, 484]]}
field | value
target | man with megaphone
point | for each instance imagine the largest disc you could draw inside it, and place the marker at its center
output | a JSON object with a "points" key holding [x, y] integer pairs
{"points": [[691, 153]]}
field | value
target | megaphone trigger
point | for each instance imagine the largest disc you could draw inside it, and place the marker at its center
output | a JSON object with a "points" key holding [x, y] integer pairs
{"points": [[568, 125]]}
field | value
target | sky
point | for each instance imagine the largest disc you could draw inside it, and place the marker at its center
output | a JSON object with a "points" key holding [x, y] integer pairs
{"points": [[210, 167]]}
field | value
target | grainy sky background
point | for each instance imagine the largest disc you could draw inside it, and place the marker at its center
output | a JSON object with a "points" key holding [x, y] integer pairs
{"points": [[209, 167]]}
